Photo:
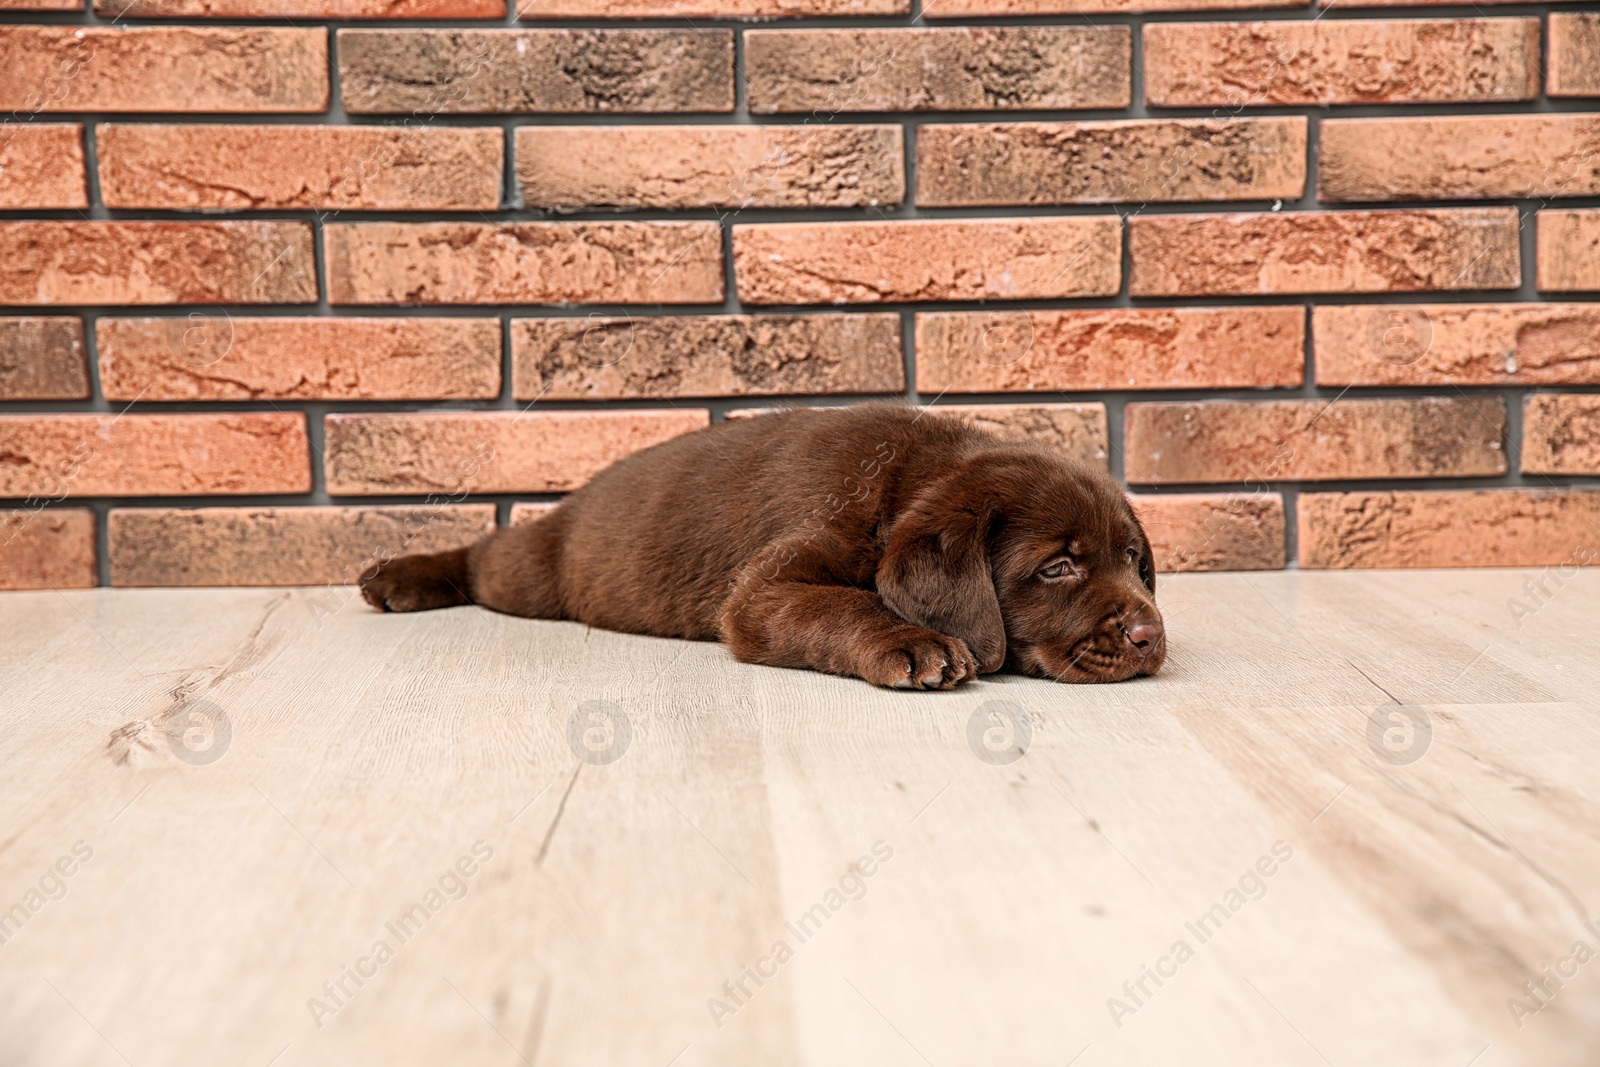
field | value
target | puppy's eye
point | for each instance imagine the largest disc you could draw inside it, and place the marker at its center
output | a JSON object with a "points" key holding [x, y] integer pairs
{"points": [[1055, 570], [1133, 554]]}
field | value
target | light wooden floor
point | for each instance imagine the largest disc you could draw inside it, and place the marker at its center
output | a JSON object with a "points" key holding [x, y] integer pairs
{"points": [[1431, 870]]}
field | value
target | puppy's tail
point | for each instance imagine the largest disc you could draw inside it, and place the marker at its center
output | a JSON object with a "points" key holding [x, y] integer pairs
{"points": [[420, 583]]}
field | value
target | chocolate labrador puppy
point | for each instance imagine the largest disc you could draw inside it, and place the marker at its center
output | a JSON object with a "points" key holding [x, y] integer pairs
{"points": [[909, 549]]}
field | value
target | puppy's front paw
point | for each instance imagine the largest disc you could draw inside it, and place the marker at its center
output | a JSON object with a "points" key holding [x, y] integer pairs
{"points": [[915, 658]]}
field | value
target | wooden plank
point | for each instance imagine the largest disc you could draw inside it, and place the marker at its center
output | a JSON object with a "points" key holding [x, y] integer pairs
{"points": [[615, 907]]}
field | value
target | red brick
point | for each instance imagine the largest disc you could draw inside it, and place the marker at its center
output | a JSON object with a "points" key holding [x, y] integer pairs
{"points": [[368, 168], [305, 9], [1459, 158], [429, 72], [1154, 160], [951, 9], [1110, 348], [153, 455], [48, 548], [219, 357], [1453, 528], [1574, 54], [1561, 434], [1457, 344], [48, 262], [945, 259], [992, 68], [279, 546], [575, 167], [489, 451], [1325, 252], [706, 355], [41, 5], [1077, 430], [529, 512], [524, 263], [1340, 61], [43, 359], [163, 68], [1569, 250], [41, 166], [1314, 440], [726, 9], [1357, 5], [1214, 531]]}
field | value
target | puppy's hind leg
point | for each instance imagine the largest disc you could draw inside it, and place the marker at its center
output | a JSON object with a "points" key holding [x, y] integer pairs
{"points": [[518, 570], [512, 570], [419, 583]]}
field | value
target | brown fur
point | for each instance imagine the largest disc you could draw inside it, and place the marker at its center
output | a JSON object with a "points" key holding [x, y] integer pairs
{"points": [[872, 541]]}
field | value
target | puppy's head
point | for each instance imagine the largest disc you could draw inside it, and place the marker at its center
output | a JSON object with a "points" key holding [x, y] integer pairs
{"points": [[1032, 561]]}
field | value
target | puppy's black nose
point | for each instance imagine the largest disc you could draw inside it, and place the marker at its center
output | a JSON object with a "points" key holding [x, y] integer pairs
{"points": [[1144, 635]]}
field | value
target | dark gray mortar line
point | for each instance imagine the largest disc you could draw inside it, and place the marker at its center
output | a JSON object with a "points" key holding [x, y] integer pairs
{"points": [[1291, 530], [1306, 12], [908, 316]]}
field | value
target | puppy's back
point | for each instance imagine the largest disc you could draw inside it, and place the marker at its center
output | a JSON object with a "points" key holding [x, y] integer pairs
{"points": [[653, 542]]}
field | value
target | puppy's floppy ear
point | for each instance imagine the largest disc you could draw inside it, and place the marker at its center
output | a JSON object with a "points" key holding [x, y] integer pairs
{"points": [[936, 572], [1147, 558]]}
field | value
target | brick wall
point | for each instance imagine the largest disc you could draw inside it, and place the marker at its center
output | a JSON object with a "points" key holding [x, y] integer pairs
{"points": [[289, 284]]}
